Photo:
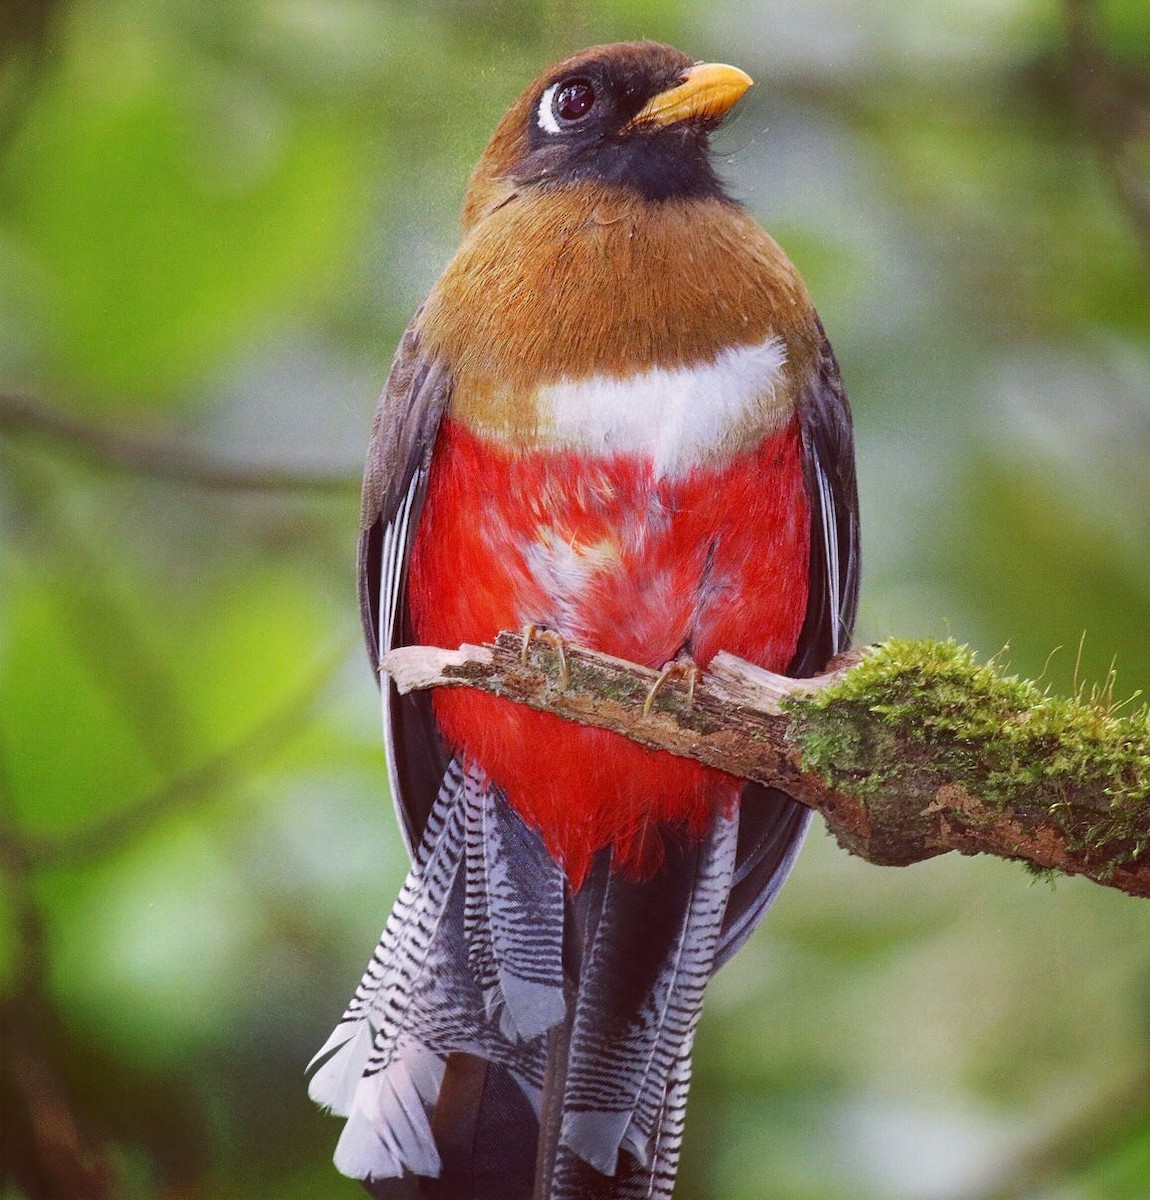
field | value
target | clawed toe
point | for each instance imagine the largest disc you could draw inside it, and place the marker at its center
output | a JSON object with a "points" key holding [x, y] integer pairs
{"points": [[549, 637], [685, 669]]}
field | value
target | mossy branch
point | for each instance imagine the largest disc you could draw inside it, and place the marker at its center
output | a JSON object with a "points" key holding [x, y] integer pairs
{"points": [[909, 749]]}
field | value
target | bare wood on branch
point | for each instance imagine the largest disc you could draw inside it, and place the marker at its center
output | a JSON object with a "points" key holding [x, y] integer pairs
{"points": [[908, 790]]}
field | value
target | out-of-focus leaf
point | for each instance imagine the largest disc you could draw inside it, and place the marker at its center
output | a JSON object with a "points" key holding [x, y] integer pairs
{"points": [[168, 206], [72, 753]]}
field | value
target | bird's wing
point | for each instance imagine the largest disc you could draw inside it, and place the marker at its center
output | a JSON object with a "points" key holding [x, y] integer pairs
{"points": [[394, 484], [829, 470], [771, 823]]}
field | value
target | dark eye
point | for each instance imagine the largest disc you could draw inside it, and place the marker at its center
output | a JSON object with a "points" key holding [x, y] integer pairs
{"points": [[574, 100]]}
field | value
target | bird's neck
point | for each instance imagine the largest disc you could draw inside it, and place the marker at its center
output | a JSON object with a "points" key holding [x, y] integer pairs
{"points": [[558, 299]]}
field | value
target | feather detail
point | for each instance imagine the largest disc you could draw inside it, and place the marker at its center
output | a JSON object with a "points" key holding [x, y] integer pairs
{"points": [[477, 915], [576, 1180], [395, 478], [388, 1132], [522, 906], [669, 1140], [640, 997], [342, 1059], [376, 1012], [396, 541], [470, 961]]}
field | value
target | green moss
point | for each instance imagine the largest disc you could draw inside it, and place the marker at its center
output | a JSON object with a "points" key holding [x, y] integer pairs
{"points": [[1081, 760]]}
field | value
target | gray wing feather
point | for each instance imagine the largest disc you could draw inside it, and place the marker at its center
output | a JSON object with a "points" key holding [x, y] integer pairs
{"points": [[406, 424], [773, 825]]}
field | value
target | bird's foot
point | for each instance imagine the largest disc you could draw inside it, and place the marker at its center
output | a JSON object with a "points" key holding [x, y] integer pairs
{"points": [[532, 632], [684, 668]]}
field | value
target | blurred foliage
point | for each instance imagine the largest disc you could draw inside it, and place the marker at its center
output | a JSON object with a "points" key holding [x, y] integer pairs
{"points": [[214, 222]]}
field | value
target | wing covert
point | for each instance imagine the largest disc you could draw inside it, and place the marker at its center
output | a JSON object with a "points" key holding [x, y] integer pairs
{"points": [[832, 491], [406, 424], [771, 823]]}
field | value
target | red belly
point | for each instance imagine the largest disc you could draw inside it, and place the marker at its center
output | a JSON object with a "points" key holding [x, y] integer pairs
{"points": [[609, 556]]}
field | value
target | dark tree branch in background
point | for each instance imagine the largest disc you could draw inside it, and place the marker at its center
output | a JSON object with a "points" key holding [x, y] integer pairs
{"points": [[1114, 100], [909, 750], [152, 457], [199, 784]]}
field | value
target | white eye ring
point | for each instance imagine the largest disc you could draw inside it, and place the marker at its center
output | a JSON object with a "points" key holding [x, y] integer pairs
{"points": [[546, 117]]}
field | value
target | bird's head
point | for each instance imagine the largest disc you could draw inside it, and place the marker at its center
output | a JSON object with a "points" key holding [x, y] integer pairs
{"points": [[633, 115]]}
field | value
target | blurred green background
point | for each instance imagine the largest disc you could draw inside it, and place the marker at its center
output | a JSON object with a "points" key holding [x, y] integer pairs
{"points": [[215, 220]]}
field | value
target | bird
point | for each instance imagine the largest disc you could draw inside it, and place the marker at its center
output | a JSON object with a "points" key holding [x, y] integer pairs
{"points": [[615, 421]]}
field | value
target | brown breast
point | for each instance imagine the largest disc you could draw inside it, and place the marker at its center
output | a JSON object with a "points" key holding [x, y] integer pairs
{"points": [[564, 284]]}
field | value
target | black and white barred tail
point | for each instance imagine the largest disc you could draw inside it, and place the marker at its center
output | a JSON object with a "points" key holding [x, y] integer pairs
{"points": [[505, 1028]]}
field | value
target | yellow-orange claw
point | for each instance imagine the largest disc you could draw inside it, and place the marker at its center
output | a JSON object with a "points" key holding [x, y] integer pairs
{"points": [[549, 637], [680, 668]]}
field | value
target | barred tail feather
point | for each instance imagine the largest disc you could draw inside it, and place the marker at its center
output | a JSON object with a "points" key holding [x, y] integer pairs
{"points": [[451, 977], [677, 1008], [384, 994], [575, 1179], [640, 997], [497, 1006], [343, 1058], [477, 916], [670, 1136], [525, 908], [513, 918], [389, 1132]]}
